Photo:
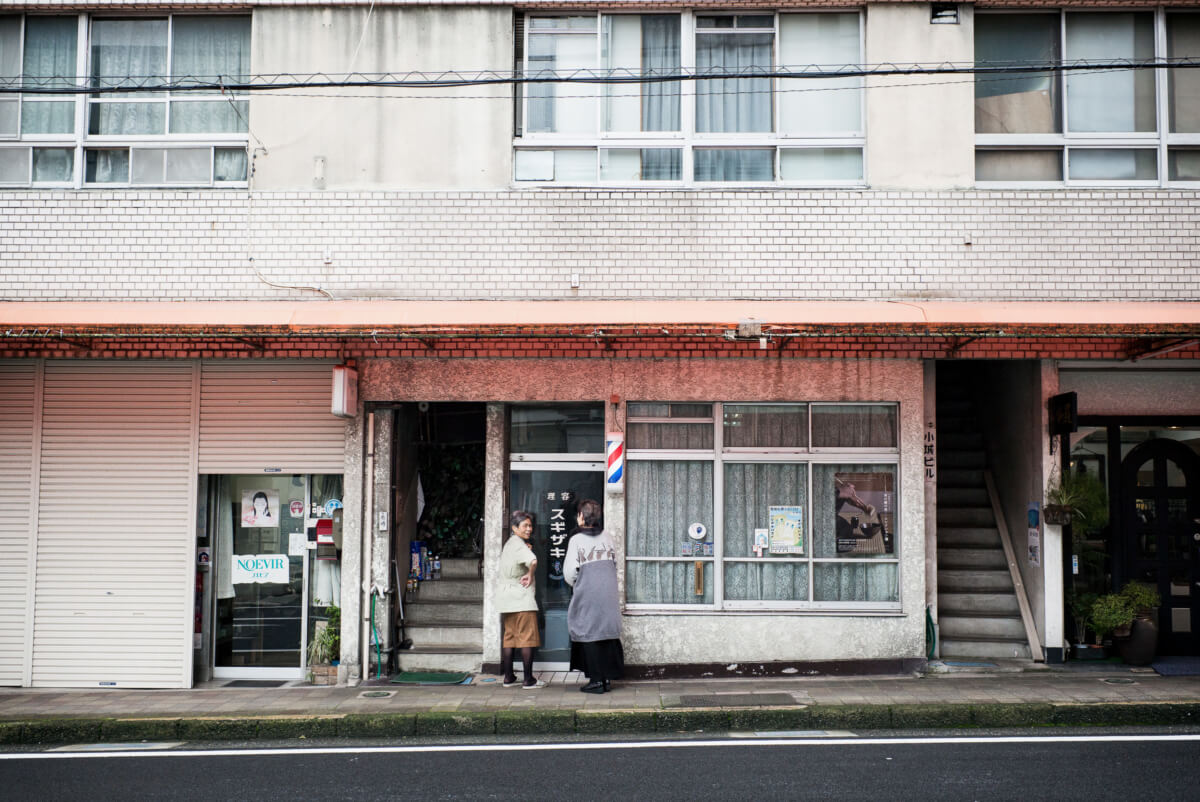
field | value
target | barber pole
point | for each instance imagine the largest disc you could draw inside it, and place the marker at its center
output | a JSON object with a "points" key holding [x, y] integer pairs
{"points": [[614, 476]]}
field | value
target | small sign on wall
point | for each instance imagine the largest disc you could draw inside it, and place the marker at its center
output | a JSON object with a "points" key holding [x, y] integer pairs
{"points": [[261, 568]]}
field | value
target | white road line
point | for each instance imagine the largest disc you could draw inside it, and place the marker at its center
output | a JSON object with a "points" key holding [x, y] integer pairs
{"points": [[576, 747]]}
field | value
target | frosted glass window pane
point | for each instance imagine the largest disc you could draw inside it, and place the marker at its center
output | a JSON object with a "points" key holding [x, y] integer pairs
{"points": [[1183, 41], [853, 426], [1018, 165], [229, 164], [775, 425], [53, 165], [670, 435], [829, 105], [821, 164], [647, 164], [147, 166], [209, 117], [663, 499], [1098, 164], [126, 52], [50, 44], [1016, 103], [1183, 164], [189, 165], [128, 118], [533, 165], [561, 108], [14, 165], [735, 165], [108, 166], [9, 114], [734, 105], [777, 581], [207, 48], [834, 582], [574, 165], [48, 117], [751, 490], [1110, 101], [649, 582], [649, 45]]}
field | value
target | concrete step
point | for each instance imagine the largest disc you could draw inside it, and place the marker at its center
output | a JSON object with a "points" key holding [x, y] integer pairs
{"points": [[440, 658], [439, 612], [984, 627], [951, 602], [450, 590], [430, 635], [983, 537], [960, 517], [974, 581], [959, 477], [963, 497], [955, 458], [460, 568], [960, 440], [961, 648], [953, 558]]}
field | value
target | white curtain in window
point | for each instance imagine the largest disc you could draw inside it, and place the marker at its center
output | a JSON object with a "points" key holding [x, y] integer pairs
{"points": [[127, 52], [740, 164], [733, 105], [10, 63], [751, 489], [663, 500], [648, 45], [229, 164], [1183, 41], [53, 164], [1110, 101], [561, 108], [49, 61], [827, 106], [846, 581]]}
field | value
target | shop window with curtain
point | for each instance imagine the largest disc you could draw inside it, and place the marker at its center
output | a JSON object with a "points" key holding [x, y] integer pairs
{"points": [[1086, 127], [163, 137], [774, 506], [732, 124]]}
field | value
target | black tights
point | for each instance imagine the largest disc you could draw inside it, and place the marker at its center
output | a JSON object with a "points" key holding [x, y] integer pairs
{"points": [[506, 662]]}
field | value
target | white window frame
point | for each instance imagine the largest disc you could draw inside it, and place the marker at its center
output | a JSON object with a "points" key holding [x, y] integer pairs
{"points": [[80, 141], [718, 457], [1160, 140], [687, 139]]}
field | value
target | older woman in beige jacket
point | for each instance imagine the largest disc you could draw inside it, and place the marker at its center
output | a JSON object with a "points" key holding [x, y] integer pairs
{"points": [[517, 603]]}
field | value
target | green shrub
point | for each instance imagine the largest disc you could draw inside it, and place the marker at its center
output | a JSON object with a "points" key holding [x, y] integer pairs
{"points": [[1111, 612], [1141, 596]]}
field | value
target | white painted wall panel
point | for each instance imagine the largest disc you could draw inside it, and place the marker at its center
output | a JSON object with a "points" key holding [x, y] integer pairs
{"points": [[17, 418], [115, 542], [256, 416]]}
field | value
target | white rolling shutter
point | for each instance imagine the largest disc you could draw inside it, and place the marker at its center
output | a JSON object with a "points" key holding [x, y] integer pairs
{"points": [[116, 526], [18, 397], [259, 416]]}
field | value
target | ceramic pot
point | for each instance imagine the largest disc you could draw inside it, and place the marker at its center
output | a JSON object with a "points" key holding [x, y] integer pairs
{"points": [[1139, 647]]}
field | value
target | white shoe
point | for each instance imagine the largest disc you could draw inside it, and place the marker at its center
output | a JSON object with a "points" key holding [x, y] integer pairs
{"points": [[507, 684], [537, 684]]}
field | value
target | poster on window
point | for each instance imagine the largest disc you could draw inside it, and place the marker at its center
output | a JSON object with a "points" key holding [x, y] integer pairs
{"points": [[260, 508], [786, 527], [865, 513]]}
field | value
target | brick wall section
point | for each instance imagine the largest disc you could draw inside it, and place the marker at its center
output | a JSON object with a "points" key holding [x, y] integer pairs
{"points": [[775, 244], [1107, 348]]}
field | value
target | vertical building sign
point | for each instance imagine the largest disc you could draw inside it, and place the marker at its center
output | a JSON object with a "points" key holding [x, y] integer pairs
{"points": [[929, 453]]}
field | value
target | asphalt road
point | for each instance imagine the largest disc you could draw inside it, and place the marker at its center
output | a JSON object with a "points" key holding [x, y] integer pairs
{"points": [[951, 768]]}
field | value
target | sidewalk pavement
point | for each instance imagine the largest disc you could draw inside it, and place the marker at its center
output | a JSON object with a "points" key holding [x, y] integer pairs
{"points": [[1063, 696]]}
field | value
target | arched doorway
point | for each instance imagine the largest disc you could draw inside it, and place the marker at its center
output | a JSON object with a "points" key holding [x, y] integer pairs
{"points": [[1160, 516]]}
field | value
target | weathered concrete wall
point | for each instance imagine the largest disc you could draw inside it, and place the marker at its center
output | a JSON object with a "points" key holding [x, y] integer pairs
{"points": [[699, 637], [1142, 390], [494, 525], [433, 138], [920, 131], [350, 669]]}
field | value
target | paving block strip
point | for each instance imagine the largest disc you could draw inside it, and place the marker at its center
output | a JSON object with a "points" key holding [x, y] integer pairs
{"points": [[599, 722]]}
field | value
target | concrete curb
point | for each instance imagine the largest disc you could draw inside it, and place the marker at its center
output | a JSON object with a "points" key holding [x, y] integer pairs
{"points": [[598, 722]]}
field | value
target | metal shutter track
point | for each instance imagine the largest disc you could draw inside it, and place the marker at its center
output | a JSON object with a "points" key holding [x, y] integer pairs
{"points": [[260, 415], [17, 413], [115, 525]]}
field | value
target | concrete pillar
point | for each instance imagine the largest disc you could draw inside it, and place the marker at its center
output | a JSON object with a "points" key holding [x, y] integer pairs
{"points": [[494, 492], [381, 548], [349, 671], [929, 458], [1053, 551]]}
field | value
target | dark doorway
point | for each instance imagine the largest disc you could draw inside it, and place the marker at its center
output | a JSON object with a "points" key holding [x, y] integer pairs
{"points": [[1160, 515]]}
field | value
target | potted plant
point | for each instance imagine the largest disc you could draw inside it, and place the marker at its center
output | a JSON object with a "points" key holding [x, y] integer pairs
{"points": [[325, 649], [1111, 613], [1079, 499], [1080, 605], [1139, 641]]}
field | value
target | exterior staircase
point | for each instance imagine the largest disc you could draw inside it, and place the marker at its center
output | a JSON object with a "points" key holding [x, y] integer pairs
{"points": [[978, 612], [445, 621]]}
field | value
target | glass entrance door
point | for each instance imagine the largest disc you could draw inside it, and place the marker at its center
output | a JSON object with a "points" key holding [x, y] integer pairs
{"points": [[552, 492]]}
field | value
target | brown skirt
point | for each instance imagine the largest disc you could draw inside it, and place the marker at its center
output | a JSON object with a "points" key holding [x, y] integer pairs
{"points": [[520, 630]]}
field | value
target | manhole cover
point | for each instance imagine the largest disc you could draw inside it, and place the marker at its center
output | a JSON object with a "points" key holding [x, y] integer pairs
{"points": [[376, 694], [1120, 681], [737, 700]]}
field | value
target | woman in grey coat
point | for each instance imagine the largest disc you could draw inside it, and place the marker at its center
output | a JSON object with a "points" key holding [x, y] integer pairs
{"points": [[594, 617]]}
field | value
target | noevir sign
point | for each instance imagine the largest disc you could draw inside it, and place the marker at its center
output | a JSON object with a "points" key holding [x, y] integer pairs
{"points": [[272, 568]]}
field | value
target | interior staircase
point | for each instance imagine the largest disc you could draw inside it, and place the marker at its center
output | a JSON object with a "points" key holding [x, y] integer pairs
{"points": [[978, 612], [445, 621]]}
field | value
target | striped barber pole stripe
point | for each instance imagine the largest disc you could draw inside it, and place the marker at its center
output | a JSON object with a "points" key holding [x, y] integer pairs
{"points": [[615, 448]]}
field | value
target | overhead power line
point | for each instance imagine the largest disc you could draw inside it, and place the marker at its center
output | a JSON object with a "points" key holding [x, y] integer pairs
{"points": [[135, 84]]}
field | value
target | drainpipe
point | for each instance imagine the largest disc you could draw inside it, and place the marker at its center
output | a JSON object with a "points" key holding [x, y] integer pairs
{"points": [[367, 543]]}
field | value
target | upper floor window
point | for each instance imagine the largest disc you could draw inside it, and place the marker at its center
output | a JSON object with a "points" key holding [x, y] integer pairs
{"points": [[120, 138], [1084, 127], [722, 124]]}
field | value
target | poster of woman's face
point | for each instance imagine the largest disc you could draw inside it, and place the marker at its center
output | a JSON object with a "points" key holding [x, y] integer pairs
{"points": [[260, 508]]}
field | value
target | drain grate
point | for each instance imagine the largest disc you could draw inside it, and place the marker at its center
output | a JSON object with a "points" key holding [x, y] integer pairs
{"points": [[256, 683], [376, 694], [1119, 681], [736, 700]]}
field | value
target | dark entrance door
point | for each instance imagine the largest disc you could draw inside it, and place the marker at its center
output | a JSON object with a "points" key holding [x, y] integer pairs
{"points": [[1160, 491]]}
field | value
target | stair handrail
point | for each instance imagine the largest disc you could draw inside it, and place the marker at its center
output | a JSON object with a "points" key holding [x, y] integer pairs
{"points": [[1031, 635]]}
